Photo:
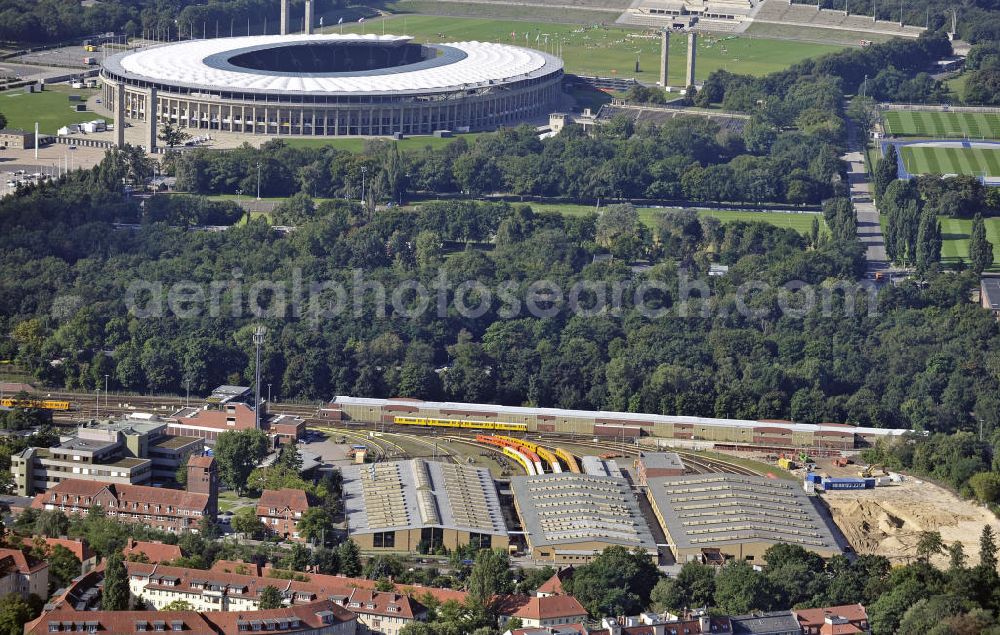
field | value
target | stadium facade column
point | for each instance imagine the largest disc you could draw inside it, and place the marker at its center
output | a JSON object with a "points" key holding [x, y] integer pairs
{"points": [[308, 28], [664, 57], [284, 16], [692, 51], [120, 115], [151, 119]]}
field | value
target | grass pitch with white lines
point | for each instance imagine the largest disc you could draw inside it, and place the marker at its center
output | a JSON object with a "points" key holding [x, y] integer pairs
{"points": [[942, 125]]}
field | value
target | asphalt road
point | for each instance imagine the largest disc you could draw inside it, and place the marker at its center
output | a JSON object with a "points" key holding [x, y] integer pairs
{"points": [[869, 228]]}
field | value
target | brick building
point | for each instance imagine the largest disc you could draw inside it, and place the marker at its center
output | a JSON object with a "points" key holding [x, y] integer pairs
{"points": [[281, 510], [167, 509], [22, 575]]}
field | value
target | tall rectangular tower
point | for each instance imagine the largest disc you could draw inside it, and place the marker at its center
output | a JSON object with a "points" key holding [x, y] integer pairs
{"points": [[203, 478], [308, 27], [664, 56], [692, 50], [284, 16]]}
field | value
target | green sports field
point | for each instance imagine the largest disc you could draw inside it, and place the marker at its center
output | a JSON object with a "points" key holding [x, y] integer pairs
{"points": [[936, 160], [50, 108], [605, 51], [955, 245], [942, 125]]}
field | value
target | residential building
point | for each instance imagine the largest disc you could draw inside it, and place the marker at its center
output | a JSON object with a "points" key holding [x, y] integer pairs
{"points": [[407, 506], [167, 509], [656, 464], [989, 294], [571, 518], [550, 610], [848, 619], [740, 516], [215, 590], [231, 408], [17, 139], [131, 451], [23, 575], [317, 618], [281, 510], [153, 551]]}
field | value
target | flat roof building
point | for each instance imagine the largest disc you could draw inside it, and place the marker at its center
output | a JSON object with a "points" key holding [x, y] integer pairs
{"points": [[742, 516], [989, 295], [656, 464], [17, 139], [403, 505], [571, 518]]}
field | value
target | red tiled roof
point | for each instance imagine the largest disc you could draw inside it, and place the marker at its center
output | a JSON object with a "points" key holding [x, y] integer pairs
{"points": [[243, 414], [563, 629], [318, 587], [547, 608], [816, 617], [554, 585], [78, 548], [280, 499], [124, 493], [308, 614], [155, 551], [201, 461], [840, 629], [18, 560]]}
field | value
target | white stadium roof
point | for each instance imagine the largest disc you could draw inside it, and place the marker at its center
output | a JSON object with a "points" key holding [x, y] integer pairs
{"points": [[187, 63]]}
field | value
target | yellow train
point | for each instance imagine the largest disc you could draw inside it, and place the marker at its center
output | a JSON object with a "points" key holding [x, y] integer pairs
{"points": [[459, 423], [542, 453], [44, 404]]}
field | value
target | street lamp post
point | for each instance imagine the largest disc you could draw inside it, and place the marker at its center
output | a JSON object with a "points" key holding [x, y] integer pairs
{"points": [[106, 406], [258, 180]]}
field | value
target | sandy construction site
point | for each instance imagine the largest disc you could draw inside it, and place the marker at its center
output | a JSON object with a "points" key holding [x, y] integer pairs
{"points": [[888, 520]]}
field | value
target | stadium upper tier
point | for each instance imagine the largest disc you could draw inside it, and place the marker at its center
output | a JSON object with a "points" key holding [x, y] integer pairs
{"points": [[267, 63]]}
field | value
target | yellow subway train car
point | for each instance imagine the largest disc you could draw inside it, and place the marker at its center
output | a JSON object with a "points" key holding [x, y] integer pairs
{"points": [[459, 423]]}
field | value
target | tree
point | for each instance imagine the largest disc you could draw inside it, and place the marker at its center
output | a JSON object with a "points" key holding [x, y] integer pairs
{"points": [[63, 567], [178, 605], [14, 614], [739, 589], [490, 578], [316, 524], [52, 523], [269, 598], [928, 241], [988, 549], [288, 457], [986, 487], [181, 475], [956, 555], [980, 249], [116, 592], [173, 135], [245, 521], [694, 586], [616, 582], [929, 543], [237, 453], [886, 171], [350, 558]]}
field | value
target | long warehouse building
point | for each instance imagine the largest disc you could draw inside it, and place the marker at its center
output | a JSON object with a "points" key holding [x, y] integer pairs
{"points": [[709, 517], [617, 425], [402, 505], [571, 518]]}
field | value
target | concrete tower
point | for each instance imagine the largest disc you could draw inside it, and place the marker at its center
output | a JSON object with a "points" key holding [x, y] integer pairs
{"points": [[664, 56], [120, 115], [692, 50], [284, 16], [151, 122], [308, 29], [203, 478]]}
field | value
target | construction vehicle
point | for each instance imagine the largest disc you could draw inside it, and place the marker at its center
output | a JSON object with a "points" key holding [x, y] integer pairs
{"points": [[786, 463], [842, 461], [805, 458], [873, 470]]}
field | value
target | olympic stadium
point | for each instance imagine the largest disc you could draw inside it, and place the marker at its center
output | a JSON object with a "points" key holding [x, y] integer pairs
{"points": [[330, 85]]}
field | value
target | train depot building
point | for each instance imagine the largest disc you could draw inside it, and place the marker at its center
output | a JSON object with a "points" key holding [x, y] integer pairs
{"points": [[570, 518], [717, 517], [418, 505], [722, 433]]}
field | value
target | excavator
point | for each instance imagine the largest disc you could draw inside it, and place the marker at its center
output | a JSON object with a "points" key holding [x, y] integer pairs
{"points": [[873, 470]]}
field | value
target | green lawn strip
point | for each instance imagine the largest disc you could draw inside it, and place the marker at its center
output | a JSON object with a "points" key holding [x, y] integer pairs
{"points": [[955, 244], [992, 160], [973, 127], [51, 108], [606, 51], [934, 125]]}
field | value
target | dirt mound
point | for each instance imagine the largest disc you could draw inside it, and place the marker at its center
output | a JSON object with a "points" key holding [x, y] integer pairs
{"points": [[887, 521]]}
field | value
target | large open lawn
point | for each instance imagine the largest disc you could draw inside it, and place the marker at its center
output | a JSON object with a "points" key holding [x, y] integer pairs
{"points": [[51, 108], [936, 160], [605, 51], [955, 246], [948, 125]]}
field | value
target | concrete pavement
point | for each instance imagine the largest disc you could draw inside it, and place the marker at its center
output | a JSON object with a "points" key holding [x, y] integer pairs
{"points": [[869, 228]]}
